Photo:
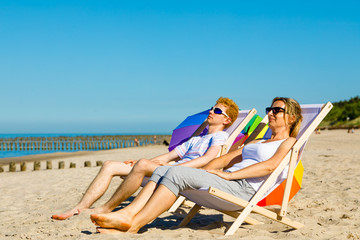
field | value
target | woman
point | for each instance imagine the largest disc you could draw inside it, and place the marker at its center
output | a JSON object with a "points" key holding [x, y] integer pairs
{"points": [[246, 169]]}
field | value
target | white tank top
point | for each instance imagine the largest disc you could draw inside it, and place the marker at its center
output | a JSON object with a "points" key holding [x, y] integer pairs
{"points": [[255, 153]]}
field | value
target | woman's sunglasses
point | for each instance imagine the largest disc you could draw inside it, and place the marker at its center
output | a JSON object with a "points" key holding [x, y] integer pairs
{"points": [[218, 111], [275, 110]]}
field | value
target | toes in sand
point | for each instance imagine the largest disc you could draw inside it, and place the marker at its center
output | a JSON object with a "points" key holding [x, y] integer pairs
{"points": [[65, 215], [108, 230]]}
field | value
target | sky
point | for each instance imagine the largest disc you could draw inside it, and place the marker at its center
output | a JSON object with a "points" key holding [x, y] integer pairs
{"points": [[90, 66]]}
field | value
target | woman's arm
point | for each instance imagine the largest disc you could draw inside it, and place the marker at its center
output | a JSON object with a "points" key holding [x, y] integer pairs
{"points": [[223, 161], [260, 169]]}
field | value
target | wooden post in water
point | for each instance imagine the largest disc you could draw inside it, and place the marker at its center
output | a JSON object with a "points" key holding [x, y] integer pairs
{"points": [[49, 164], [37, 165], [23, 166], [12, 167], [61, 165]]}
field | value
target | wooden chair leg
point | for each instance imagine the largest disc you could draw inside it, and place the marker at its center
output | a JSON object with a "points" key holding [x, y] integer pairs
{"points": [[177, 204], [190, 215]]}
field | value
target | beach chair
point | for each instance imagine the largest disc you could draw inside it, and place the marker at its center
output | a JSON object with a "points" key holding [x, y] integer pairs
{"points": [[240, 209], [256, 129], [246, 118]]}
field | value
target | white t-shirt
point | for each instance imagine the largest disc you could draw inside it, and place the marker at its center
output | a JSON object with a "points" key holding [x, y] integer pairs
{"points": [[197, 146], [255, 153]]}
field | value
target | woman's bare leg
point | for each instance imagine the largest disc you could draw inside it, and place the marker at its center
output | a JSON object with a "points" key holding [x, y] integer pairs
{"points": [[160, 201], [130, 185], [144, 209], [125, 216]]}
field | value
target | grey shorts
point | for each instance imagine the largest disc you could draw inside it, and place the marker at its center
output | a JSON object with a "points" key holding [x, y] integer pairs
{"points": [[178, 179]]}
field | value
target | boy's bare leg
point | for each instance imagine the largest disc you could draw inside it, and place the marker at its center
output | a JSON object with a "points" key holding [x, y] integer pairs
{"points": [[130, 185], [97, 188]]}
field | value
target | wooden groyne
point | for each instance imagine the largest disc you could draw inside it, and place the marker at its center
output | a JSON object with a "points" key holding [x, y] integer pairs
{"points": [[80, 143]]}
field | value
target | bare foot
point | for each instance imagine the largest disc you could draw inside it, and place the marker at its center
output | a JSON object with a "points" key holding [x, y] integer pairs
{"points": [[96, 210], [66, 215], [115, 220]]}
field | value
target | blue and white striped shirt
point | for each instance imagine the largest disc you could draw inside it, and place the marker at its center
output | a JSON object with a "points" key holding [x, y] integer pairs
{"points": [[197, 146]]}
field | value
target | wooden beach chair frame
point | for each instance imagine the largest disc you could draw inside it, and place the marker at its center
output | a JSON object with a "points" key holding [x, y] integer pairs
{"points": [[251, 207]]}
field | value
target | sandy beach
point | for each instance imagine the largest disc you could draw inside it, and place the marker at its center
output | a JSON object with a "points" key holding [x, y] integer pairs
{"points": [[328, 203]]}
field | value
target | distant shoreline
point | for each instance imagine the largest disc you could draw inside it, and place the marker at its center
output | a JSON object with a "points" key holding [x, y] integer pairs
{"points": [[44, 156], [338, 127], [18, 145], [73, 135]]}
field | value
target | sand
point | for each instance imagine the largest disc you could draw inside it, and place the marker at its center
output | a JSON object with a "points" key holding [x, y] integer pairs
{"points": [[328, 203]]}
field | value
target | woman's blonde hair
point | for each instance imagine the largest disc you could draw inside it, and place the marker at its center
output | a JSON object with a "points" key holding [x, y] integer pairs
{"points": [[292, 107], [232, 109]]}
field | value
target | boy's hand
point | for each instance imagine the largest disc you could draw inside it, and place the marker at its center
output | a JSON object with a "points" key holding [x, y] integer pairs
{"points": [[161, 163], [130, 162]]}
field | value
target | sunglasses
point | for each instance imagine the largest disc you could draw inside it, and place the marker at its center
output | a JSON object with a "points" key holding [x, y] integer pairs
{"points": [[275, 110], [218, 111]]}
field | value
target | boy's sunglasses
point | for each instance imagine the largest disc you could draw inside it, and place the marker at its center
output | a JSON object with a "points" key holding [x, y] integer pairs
{"points": [[275, 110], [218, 111]]}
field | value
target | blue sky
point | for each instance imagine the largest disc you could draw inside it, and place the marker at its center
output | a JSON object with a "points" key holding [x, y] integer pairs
{"points": [[142, 66]]}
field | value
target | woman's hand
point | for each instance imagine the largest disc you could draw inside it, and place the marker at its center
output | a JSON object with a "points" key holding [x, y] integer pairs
{"points": [[222, 174]]}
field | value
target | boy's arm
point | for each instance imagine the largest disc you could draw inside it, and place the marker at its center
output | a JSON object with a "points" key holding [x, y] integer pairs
{"points": [[199, 162], [162, 159], [166, 157], [216, 144], [262, 168]]}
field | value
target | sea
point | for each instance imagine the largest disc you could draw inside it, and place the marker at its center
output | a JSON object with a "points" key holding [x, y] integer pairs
{"points": [[17, 153]]}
